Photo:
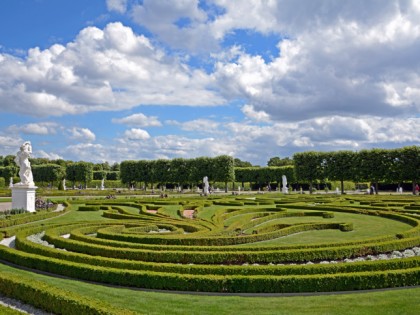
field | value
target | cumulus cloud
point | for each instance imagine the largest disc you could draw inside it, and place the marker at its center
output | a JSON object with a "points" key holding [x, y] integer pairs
{"points": [[181, 24], [200, 125], [136, 134], [119, 6], [346, 76], [82, 134], [251, 113], [9, 145], [43, 128], [139, 120], [50, 156], [92, 152], [109, 69], [256, 143]]}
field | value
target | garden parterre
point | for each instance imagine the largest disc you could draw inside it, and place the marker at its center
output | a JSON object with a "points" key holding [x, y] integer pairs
{"points": [[233, 244]]}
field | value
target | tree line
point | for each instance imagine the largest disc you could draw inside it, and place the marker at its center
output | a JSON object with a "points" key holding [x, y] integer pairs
{"points": [[374, 166]]}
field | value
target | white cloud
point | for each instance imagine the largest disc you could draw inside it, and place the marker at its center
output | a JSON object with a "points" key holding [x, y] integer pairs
{"points": [[119, 6], [50, 156], [110, 69], [139, 120], [251, 113], [43, 128], [9, 145], [88, 152], [82, 134], [200, 125], [255, 143], [136, 134], [181, 24], [346, 77]]}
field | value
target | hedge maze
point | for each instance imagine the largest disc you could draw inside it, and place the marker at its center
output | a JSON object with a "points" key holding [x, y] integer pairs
{"points": [[236, 244]]}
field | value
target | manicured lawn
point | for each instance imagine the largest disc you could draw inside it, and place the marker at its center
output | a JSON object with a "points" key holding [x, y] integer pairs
{"points": [[8, 311], [364, 226], [400, 301], [397, 301]]}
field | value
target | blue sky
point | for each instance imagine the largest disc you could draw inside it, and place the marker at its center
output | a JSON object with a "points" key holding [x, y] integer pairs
{"points": [[112, 80]]}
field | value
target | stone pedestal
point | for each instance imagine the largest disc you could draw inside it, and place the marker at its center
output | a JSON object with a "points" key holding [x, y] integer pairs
{"points": [[23, 197]]}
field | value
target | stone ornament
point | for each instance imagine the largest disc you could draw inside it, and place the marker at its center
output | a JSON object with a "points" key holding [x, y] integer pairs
{"points": [[22, 160]]}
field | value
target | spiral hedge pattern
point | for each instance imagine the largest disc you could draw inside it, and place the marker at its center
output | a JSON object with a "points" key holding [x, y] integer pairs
{"points": [[225, 244]]}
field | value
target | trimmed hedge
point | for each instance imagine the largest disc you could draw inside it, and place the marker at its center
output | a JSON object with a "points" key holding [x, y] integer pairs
{"points": [[89, 208], [215, 283], [53, 299], [29, 217]]}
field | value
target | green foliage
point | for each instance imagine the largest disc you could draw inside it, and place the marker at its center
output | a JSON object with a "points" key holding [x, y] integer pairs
{"points": [[98, 175], [53, 299], [89, 208], [308, 167], [47, 173], [341, 166], [277, 161], [79, 172], [240, 163], [8, 171]]}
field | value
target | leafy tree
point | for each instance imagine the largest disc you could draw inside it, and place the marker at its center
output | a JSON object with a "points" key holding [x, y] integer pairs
{"points": [[340, 165], [39, 161], [278, 172], [9, 160], [374, 165], [60, 162], [161, 171], [112, 175], [239, 163], [99, 175], [80, 172], [180, 171], [8, 171], [407, 164], [48, 173], [128, 172], [115, 167], [277, 161], [223, 169], [200, 167], [308, 167]]}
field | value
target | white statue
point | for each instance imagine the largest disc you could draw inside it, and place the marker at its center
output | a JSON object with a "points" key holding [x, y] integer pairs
{"points": [[11, 182], [285, 190], [64, 184], [205, 185], [22, 159], [103, 184]]}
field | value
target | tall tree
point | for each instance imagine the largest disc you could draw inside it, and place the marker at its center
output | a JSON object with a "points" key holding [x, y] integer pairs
{"points": [[308, 167], [408, 164], [180, 171], [80, 172], [277, 161], [340, 165], [128, 172], [240, 163], [223, 169], [48, 173], [374, 165]]}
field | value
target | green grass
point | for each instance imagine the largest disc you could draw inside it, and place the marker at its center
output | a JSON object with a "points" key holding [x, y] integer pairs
{"points": [[365, 226], [400, 301], [8, 311]]}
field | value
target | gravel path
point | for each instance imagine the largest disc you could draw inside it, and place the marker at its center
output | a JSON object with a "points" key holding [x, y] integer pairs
{"points": [[20, 306]]}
